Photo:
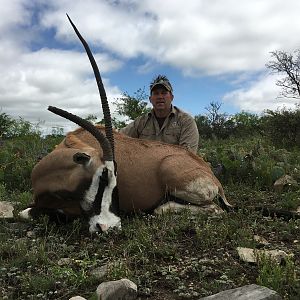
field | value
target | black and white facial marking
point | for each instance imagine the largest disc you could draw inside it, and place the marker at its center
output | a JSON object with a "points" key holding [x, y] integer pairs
{"points": [[101, 199], [55, 215], [53, 204]]}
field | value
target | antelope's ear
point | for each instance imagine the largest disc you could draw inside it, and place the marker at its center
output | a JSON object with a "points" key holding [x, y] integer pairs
{"points": [[81, 158]]}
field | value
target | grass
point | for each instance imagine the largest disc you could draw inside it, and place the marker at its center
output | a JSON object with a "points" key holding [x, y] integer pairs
{"points": [[281, 278], [173, 256]]}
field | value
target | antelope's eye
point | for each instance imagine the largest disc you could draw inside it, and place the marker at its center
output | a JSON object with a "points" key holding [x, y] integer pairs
{"points": [[81, 158]]}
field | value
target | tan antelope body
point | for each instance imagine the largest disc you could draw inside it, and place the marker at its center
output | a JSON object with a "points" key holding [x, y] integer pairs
{"points": [[147, 171]]}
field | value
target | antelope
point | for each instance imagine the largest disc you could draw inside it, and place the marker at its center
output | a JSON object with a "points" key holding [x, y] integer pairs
{"points": [[99, 172]]}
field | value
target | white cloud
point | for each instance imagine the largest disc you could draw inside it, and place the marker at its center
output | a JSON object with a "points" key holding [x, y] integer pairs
{"points": [[209, 37], [53, 77], [229, 39], [12, 14], [261, 94]]}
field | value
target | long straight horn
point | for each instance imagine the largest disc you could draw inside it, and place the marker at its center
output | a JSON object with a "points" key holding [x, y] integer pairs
{"points": [[99, 136], [103, 97]]}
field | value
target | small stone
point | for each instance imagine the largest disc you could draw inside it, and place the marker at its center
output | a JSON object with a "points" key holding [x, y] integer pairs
{"points": [[100, 272], [246, 292], [30, 234], [17, 227], [6, 210], [65, 261], [283, 181], [260, 240], [122, 289], [77, 298], [253, 255]]}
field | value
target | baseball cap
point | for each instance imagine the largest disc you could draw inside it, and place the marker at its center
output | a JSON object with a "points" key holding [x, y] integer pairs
{"points": [[161, 80]]}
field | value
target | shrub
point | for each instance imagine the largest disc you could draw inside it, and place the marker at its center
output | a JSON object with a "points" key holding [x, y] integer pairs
{"points": [[282, 127], [254, 161], [10, 127], [246, 124], [19, 155], [6, 122], [276, 276]]}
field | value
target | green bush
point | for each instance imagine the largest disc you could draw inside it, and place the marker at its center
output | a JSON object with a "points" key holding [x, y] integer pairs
{"points": [[6, 122], [217, 125], [246, 124], [18, 157], [10, 128], [282, 126], [276, 276], [254, 161]]}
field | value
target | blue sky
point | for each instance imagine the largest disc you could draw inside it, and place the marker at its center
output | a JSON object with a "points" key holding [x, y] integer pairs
{"points": [[211, 51]]}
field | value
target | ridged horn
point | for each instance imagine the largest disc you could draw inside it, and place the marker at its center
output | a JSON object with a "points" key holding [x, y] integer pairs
{"points": [[103, 97], [99, 136]]}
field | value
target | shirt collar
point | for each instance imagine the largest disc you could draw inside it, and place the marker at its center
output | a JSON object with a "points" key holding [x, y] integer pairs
{"points": [[172, 112]]}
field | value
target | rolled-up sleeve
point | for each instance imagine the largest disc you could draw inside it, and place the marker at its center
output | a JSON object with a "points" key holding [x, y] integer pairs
{"points": [[130, 129], [189, 137]]}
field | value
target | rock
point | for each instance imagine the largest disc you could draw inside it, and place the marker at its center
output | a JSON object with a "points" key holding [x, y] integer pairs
{"points": [[173, 207], [6, 210], [30, 234], [77, 298], [247, 254], [284, 181], [65, 261], [252, 255], [100, 272], [260, 240], [17, 227], [247, 292], [122, 289]]}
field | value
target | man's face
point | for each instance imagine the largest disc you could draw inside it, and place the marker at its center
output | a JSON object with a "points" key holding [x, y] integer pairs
{"points": [[161, 99]]}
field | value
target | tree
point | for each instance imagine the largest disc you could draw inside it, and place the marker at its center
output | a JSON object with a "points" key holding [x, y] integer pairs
{"points": [[6, 122], [216, 119], [10, 127], [214, 124], [288, 65], [91, 118], [203, 125], [220, 125], [130, 107], [282, 126], [246, 124]]}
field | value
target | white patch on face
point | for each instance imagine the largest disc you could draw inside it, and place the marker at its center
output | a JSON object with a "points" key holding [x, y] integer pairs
{"points": [[91, 193], [199, 191], [104, 222], [106, 219], [24, 214]]}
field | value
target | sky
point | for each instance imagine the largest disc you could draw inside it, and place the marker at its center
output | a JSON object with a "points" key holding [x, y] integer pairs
{"points": [[211, 51]]}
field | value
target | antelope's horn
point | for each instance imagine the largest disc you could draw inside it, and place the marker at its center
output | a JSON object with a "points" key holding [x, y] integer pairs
{"points": [[103, 97], [99, 136]]}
